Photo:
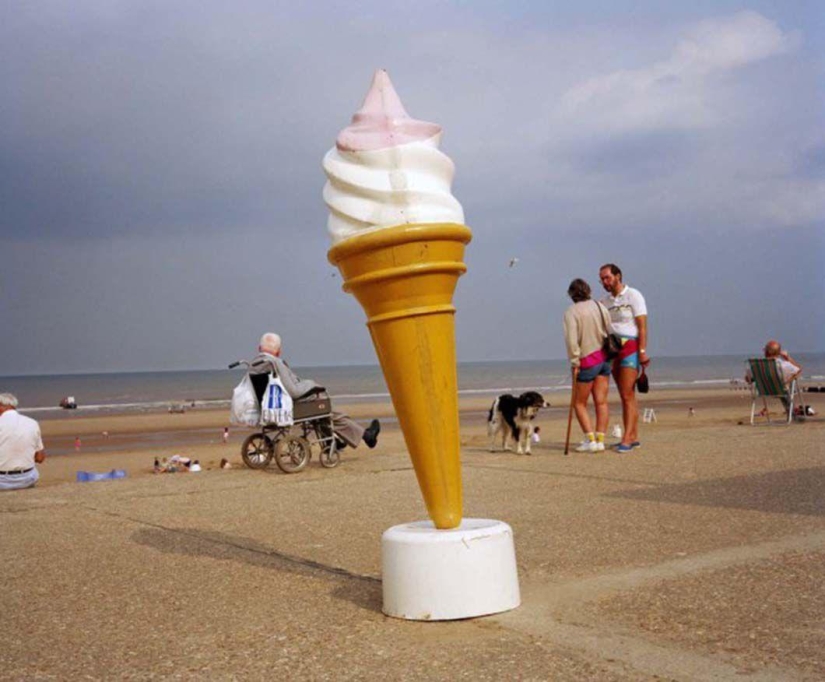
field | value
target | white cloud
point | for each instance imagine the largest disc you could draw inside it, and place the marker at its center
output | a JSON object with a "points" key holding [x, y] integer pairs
{"points": [[712, 134], [671, 94], [790, 202], [729, 43]]}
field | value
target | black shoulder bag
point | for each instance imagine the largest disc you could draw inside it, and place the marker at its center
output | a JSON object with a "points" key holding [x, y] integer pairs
{"points": [[612, 342]]}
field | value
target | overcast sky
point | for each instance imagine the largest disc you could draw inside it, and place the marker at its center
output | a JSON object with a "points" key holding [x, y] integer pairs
{"points": [[160, 171]]}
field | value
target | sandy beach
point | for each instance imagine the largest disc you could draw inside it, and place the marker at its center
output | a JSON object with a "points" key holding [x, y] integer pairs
{"points": [[133, 440], [697, 557]]}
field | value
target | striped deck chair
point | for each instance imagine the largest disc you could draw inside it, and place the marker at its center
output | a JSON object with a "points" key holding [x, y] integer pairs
{"points": [[768, 383]]}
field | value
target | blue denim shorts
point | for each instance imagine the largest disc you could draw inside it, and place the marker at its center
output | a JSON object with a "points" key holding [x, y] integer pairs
{"points": [[587, 375]]}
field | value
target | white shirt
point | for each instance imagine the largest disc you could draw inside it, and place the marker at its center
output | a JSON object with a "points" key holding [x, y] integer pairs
{"points": [[787, 369], [19, 440], [624, 309]]}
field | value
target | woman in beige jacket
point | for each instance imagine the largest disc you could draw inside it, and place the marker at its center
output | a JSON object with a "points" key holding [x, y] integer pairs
{"points": [[585, 329]]}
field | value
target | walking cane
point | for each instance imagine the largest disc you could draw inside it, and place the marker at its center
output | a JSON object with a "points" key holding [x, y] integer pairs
{"points": [[570, 415]]}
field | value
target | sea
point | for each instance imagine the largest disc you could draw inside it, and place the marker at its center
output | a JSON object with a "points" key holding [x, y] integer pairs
{"points": [[130, 392]]}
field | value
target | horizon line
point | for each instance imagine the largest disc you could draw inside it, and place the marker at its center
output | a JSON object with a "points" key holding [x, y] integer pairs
{"points": [[744, 356]]}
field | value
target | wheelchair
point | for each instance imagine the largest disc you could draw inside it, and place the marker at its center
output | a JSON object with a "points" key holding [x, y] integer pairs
{"points": [[292, 446]]}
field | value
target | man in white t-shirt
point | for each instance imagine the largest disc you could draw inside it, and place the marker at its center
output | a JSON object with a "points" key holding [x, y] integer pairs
{"points": [[628, 318], [20, 446]]}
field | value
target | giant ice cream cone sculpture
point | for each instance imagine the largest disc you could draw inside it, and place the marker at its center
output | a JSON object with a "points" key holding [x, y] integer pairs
{"points": [[404, 278], [399, 244]]}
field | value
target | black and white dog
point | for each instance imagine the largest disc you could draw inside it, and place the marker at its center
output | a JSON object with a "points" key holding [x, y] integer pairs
{"points": [[513, 417]]}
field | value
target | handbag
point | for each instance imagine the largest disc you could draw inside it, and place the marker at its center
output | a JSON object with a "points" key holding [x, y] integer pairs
{"points": [[612, 344], [276, 406], [642, 384]]}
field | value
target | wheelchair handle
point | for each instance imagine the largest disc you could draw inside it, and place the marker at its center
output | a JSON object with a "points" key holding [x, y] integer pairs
{"points": [[238, 363]]}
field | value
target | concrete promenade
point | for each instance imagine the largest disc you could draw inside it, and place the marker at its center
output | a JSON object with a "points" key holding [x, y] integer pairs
{"points": [[699, 557]]}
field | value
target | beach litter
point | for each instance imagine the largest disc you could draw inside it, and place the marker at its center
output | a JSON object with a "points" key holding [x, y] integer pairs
{"points": [[88, 476]]}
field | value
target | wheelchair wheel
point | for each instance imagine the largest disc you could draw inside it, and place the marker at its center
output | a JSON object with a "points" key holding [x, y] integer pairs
{"points": [[256, 451], [330, 457], [292, 454]]}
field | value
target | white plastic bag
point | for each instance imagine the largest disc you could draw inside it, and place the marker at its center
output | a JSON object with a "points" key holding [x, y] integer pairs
{"points": [[276, 406], [245, 409]]}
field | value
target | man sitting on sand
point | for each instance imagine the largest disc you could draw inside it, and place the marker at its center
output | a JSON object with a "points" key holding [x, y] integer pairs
{"points": [[347, 430], [21, 446]]}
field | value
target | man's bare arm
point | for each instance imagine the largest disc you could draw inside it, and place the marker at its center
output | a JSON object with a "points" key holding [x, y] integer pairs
{"points": [[641, 323], [787, 357]]}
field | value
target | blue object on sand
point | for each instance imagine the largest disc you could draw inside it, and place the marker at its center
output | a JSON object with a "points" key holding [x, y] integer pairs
{"points": [[86, 476]]}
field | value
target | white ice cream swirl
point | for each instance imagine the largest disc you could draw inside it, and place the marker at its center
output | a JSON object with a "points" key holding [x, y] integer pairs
{"points": [[392, 186]]}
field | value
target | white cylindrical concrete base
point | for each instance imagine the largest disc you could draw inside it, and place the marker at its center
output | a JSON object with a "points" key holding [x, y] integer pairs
{"points": [[431, 574]]}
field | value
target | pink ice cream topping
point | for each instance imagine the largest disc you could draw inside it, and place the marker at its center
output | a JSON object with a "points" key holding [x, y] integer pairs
{"points": [[382, 122]]}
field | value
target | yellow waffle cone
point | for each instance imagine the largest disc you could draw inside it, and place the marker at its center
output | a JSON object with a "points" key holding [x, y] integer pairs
{"points": [[404, 278]]}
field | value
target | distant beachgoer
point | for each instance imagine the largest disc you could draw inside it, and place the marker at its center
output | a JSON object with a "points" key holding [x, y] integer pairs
{"points": [[225, 435], [347, 431], [105, 434], [181, 460], [156, 467], [21, 446], [585, 329], [77, 444], [628, 316], [535, 437], [788, 367], [225, 464], [691, 412], [195, 466]]}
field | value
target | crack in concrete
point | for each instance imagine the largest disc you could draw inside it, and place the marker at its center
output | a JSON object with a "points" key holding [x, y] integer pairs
{"points": [[550, 612], [574, 593]]}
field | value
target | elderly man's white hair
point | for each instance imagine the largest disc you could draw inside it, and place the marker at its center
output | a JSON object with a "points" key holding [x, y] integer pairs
{"points": [[8, 400], [270, 343]]}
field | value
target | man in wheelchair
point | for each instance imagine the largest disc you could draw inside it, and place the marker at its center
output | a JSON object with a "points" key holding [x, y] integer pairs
{"points": [[347, 430]]}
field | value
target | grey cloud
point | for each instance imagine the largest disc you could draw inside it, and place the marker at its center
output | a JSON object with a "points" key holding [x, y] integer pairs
{"points": [[638, 156], [161, 184], [811, 163]]}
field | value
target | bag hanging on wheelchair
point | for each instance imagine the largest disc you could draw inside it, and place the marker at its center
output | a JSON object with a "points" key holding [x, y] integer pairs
{"points": [[245, 410], [276, 407]]}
